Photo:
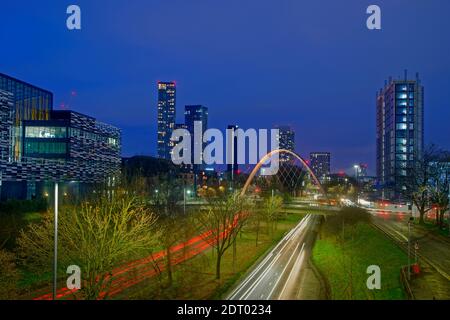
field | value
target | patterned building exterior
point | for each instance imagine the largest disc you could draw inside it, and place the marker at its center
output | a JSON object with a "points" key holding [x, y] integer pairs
{"points": [[29, 103], [71, 148], [6, 107], [400, 133]]}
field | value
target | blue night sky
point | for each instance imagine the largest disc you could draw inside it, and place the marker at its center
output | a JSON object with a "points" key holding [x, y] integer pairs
{"points": [[311, 64]]}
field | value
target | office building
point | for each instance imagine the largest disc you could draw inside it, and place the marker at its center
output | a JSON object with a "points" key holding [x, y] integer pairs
{"points": [[29, 103], [166, 118], [232, 152], [400, 133], [286, 141], [320, 164], [196, 116], [63, 146]]}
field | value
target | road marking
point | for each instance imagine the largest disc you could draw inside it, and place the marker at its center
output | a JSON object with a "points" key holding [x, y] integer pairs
{"points": [[296, 263], [267, 258], [282, 272], [401, 234], [262, 276]]}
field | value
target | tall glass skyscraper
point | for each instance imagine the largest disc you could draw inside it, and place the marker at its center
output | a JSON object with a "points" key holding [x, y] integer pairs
{"points": [[199, 114], [320, 164], [286, 141], [400, 133], [166, 118]]}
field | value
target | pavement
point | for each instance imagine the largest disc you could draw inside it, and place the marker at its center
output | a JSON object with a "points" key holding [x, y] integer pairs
{"points": [[284, 273]]}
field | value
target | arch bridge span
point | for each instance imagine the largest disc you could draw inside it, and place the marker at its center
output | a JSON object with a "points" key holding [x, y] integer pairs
{"points": [[268, 156]]}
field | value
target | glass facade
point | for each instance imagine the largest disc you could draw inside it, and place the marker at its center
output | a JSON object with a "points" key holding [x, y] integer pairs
{"points": [[193, 114], [166, 118], [286, 141], [36, 148], [46, 132], [399, 133], [320, 163], [30, 103]]}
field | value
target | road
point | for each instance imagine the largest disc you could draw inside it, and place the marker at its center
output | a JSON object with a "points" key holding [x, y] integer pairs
{"points": [[433, 254], [279, 275], [432, 248]]}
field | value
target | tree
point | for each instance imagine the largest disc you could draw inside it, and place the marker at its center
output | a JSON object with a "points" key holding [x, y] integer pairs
{"points": [[439, 186], [256, 219], [9, 276], [417, 181], [272, 210], [222, 221], [97, 236], [166, 203]]}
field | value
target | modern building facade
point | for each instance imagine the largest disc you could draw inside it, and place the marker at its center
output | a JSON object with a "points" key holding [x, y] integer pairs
{"points": [[286, 141], [400, 133], [62, 146], [166, 118], [196, 116], [29, 103], [320, 163]]}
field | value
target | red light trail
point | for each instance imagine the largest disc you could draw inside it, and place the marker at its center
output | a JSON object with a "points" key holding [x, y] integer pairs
{"points": [[137, 271]]}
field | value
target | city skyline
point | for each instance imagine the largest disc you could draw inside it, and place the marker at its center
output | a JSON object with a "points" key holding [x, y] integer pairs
{"points": [[317, 91], [251, 152]]}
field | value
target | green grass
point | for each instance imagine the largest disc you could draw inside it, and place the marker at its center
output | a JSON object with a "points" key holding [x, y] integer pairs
{"points": [[345, 265]]}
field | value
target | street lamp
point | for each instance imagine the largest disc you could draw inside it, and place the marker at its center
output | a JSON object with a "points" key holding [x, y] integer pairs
{"points": [[356, 178], [188, 192], [55, 252], [411, 219]]}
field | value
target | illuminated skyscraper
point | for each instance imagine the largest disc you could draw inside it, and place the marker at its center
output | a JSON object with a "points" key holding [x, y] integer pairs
{"points": [[400, 133], [286, 141], [320, 164], [166, 118], [196, 114]]}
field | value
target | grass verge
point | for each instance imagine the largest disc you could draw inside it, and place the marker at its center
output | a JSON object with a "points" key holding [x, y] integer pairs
{"points": [[345, 263]]}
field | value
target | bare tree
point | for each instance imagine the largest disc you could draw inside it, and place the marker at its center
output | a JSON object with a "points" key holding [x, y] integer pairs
{"points": [[439, 186], [166, 203], [97, 236], [418, 179], [221, 222], [272, 211]]}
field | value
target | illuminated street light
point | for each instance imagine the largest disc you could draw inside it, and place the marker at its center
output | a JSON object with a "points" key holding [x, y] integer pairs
{"points": [[184, 198]]}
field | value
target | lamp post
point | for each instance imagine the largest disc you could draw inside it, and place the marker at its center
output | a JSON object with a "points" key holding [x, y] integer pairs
{"points": [[357, 184], [409, 247], [55, 252], [184, 199]]}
